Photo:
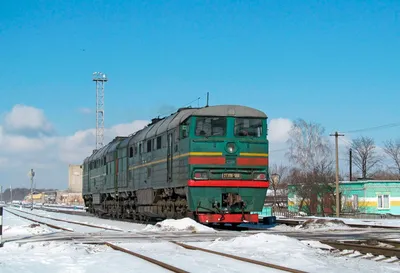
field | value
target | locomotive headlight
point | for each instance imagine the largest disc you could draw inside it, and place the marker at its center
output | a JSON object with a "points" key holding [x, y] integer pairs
{"points": [[260, 176], [200, 175], [230, 147]]}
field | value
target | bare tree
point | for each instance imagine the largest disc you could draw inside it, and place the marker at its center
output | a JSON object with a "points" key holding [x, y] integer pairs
{"points": [[364, 156], [392, 149], [311, 154], [308, 147]]}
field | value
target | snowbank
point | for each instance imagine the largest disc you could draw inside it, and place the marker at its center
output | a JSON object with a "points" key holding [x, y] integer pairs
{"points": [[185, 224], [23, 230], [290, 252], [361, 221], [69, 257], [323, 224]]}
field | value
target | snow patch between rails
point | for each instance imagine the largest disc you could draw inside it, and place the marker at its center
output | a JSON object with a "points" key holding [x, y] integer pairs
{"points": [[185, 224]]}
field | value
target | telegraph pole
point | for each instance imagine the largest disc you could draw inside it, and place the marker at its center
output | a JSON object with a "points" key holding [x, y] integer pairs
{"points": [[351, 164], [31, 174], [336, 135]]}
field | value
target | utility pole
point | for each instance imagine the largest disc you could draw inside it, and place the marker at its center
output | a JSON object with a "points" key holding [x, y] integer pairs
{"points": [[31, 174], [11, 198], [1, 193], [336, 135], [351, 164]]}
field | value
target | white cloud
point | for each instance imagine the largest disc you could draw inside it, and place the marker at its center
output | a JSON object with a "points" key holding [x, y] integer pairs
{"points": [[27, 120], [279, 130], [85, 110], [73, 149], [3, 162], [27, 141]]}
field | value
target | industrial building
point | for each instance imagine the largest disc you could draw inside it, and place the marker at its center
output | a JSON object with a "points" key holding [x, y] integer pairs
{"points": [[75, 173], [71, 196], [356, 197]]}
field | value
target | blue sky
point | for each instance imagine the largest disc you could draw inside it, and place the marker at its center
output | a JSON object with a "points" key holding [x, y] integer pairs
{"points": [[333, 62]]}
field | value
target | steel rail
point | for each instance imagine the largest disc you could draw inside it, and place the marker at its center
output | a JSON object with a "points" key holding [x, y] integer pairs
{"points": [[73, 222], [40, 222], [365, 249], [283, 268], [151, 260]]}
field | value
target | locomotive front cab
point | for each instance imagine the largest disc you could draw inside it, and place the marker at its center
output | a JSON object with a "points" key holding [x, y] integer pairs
{"points": [[228, 166]]}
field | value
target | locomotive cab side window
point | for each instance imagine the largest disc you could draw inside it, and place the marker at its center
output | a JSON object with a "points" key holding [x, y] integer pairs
{"points": [[184, 129], [210, 126], [248, 127]]}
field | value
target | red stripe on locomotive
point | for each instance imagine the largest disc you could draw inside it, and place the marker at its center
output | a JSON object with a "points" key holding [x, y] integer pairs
{"points": [[249, 161], [228, 183], [207, 160], [227, 218]]}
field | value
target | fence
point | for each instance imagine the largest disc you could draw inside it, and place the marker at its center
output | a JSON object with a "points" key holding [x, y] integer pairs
{"points": [[1, 225], [284, 212]]}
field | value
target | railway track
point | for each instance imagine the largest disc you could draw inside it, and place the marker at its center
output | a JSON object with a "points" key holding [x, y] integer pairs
{"points": [[171, 238], [264, 264], [71, 222], [146, 258], [377, 250], [194, 248], [119, 235], [59, 220], [222, 232], [40, 222], [296, 222]]}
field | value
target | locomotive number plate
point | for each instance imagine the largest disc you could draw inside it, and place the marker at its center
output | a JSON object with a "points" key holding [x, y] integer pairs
{"points": [[231, 175]]}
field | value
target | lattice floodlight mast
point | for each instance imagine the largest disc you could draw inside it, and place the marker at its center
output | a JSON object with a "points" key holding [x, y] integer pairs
{"points": [[100, 79]]}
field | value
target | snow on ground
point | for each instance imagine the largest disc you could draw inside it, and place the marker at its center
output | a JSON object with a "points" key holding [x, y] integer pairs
{"points": [[375, 222], [278, 249], [126, 226], [312, 225], [185, 224], [16, 226], [169, 225], [293, 253], [323, 224], [69, 257], [193, 261]]}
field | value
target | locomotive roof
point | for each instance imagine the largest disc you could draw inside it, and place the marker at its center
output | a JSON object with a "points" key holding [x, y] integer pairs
{"points": [[230, 110], [114, 145], [174, 120], [110, 147], [181, 115]]}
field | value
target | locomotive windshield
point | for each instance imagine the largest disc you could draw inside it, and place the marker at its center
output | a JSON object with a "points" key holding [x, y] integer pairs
{"points": [[210, 126], [248, 127]]}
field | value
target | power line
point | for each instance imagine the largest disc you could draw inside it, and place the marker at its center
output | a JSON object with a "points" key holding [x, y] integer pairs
{"points": [[390, 125], [346, 141], [185, 105], [279, 150]]}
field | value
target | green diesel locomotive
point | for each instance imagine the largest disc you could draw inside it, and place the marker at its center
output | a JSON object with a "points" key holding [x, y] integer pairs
{"points": [[209, 163]]}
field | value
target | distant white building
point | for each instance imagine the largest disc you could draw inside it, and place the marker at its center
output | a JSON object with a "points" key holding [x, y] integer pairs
{"points": [[75, 178]]}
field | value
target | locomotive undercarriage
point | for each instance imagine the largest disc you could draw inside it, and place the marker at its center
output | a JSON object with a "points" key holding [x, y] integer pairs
{"points": [[142, 205]]}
